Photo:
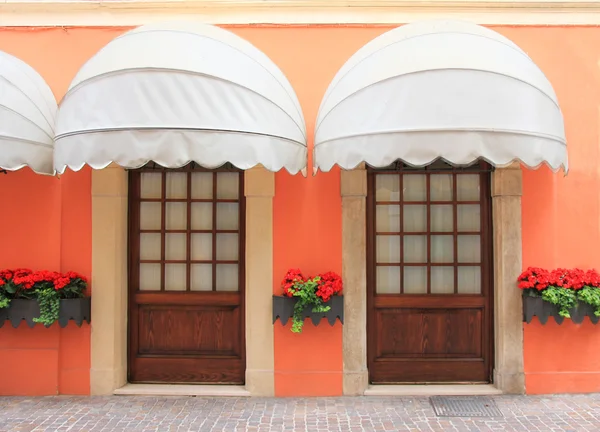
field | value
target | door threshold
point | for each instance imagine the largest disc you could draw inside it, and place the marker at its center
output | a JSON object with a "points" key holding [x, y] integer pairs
{"points": [[182, 390], [432, 390]]}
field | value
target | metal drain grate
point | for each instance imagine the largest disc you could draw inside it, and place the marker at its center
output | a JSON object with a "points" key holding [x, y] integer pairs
{"points": [[459, 406]]}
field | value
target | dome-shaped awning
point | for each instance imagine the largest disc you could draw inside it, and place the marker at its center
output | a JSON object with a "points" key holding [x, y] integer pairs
{"points": [[179, 92], [439, 90], [27, 115]]}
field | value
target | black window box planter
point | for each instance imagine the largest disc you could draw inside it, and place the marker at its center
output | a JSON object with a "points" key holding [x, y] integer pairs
{"points": [[283, 308], [77, 310], [535, 306]]}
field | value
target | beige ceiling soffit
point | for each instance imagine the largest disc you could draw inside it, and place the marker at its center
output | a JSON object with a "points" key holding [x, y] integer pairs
{"points": [[291, 12]]}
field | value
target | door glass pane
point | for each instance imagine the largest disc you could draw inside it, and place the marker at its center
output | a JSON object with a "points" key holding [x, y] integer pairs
{"points": [[227, 277], [228, 216], [151, 185], [469, 249], [442, 249], [469, 217], [175, 246], [415, 249], [441, 187], [228, 186], [176, 185], [227, 247], [415, 218], [442, 218], [388, 249], [202, 185], [150, 247], [415, 280], [149, 277], [150, 215], [414, 187], [442, 280], [387, 187], [388, 280], [467, 187], [201, 216], [175, 277], [201, 277], [387, 218], [201, 247], [469, 280], [176, 215]]}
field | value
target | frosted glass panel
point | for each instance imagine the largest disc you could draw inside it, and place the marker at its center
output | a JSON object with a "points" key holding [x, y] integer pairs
{"points": [[469, 249], [175, 246], [415, 249], [176, 185], [175, 277], [227, 247], [202, 185], [387, 218], [415, 280], [201, 247], [176, 214], [151, 185], [201, 277], [388, 249], [442, 218], [150, 215], [150, 248], [149, 277], [442, 280], [227, 277], [388, 280], [228, 186], [441, 187], [387, 187], [442, 249], [414, 187], [467, 187], [201, 216], [415, 218], [469, 217], [228, 216], [469, 280]]}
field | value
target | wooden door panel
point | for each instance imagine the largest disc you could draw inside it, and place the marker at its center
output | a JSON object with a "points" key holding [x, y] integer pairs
{"points": [[207, 370], [188, 330], [429, 279], [394, 371], [429, 333]]}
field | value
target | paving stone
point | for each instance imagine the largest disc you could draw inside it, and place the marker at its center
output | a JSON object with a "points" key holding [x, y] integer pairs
{"points": [[562, 413]]}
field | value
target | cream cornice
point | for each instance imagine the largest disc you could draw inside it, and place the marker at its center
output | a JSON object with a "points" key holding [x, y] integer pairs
{"points": [[295, 12]]}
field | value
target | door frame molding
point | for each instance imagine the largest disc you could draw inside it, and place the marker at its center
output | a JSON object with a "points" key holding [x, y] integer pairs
{"points": [[506, 191], [109, 280]]}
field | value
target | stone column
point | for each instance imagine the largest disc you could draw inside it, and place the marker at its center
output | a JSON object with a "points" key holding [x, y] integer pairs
{"points": [[259, 190], [508, 307], [354, 273], [109, 280]]}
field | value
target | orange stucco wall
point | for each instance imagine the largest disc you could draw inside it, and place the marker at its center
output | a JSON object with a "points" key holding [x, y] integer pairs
{"points": [[46, 222]]}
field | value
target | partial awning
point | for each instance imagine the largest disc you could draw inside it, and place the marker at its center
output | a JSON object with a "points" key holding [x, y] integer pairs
{"points": [[439, 89], [179, 92], [27, 115]]}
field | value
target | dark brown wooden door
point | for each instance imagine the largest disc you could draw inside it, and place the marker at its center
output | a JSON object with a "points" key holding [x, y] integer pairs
{"points": [[186, 276], [429, 274]]}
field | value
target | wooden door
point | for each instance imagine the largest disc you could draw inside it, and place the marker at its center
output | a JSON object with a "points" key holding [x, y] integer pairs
{"points": [[186, 275], [429, 274]]}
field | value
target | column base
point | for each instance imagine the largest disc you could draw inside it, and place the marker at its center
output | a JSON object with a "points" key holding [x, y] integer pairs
{"points": [[355, 382], [510, 383], [260, 382]]}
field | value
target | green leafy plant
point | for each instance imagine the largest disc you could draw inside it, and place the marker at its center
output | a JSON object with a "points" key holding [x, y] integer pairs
{"points": [[565, 299], [591, 296], [311, 292]]}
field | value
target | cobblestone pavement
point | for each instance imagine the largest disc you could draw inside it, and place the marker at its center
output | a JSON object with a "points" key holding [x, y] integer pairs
{"points": [[519, 413]]}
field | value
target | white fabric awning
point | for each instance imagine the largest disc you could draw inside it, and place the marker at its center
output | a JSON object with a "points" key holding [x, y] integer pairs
{"points": [[27, 115], [178, 92], [439, 89]]}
